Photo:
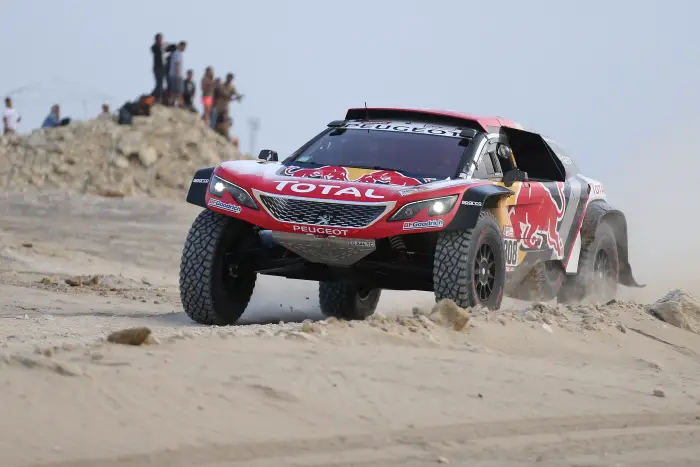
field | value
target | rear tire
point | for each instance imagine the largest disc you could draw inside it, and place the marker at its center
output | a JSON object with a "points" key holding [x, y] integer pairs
{"points": [[344, 300], [209, 292], [598, 270], [469, 265]]}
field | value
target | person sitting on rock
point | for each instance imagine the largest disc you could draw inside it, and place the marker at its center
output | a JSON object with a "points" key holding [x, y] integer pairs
{"points": [[54, 118], [140, 107]]}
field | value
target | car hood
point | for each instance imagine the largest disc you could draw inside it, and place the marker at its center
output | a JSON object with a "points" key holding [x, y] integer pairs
{"points": [[341, 183]]}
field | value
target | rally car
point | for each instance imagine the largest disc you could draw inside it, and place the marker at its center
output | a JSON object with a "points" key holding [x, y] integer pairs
{"points": [[470, 208]]}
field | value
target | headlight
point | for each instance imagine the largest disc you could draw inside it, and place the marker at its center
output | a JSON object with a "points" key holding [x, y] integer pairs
{"points": [[435, 206], [218, 186]]}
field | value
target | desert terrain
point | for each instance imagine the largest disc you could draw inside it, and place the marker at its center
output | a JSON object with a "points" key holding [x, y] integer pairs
{"points": [[531, 384]]}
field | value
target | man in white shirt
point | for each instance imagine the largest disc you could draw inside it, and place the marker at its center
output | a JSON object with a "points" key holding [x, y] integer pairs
{"points": [[177, 78], [10, 117]]}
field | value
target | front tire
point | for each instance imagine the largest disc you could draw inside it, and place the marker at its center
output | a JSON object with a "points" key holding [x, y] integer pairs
{"points": [[598, 270], [211, 292], [344, 300], [469, 265]]}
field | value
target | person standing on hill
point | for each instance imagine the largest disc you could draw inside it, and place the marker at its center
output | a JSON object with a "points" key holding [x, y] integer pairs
{"points": [[207, 85], [190, 91], [159, 70], [226, 93], [10, 118], [176, 74]]}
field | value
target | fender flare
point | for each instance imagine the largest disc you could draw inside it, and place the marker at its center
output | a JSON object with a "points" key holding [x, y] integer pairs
{"points": [[198, 187], [599, 212], [473, 202]]}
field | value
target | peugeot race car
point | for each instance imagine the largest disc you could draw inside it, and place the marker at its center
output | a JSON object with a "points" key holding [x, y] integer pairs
{"points": [[470, 208]]}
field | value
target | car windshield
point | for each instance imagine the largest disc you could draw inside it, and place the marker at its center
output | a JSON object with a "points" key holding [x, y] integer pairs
{"points": [[418, 154]]}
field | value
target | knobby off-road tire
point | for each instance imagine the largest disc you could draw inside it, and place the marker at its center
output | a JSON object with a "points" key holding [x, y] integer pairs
{"points": [[456, 270], [598, 269], [209, 294], [344, 300]]}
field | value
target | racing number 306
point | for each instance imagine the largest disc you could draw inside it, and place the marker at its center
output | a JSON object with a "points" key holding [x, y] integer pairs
{"points": [[511, 252]]}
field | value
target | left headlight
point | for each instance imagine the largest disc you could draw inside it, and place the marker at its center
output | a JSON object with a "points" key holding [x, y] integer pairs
{"points": [[435, 206], [218, 186]]}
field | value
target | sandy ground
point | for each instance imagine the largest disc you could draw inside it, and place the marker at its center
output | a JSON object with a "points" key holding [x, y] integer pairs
{"points": [[585, 387]]}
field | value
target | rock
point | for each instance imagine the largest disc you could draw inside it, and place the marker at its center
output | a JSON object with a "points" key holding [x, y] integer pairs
{"points": [[659, 393], [446, 313], [156, 156], [131, 336], [621, 327], [679, 309], [532, 315]]}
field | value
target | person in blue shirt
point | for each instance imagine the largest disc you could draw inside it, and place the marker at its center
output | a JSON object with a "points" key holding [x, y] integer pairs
{"points": [[54, 118]]}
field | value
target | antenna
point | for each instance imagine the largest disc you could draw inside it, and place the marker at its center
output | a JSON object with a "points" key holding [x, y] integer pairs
{"points": [[366, 114]]}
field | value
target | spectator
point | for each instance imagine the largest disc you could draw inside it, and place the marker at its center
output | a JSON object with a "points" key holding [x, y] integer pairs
{"points": [[54, 118], [141, 107], [10, 118], [158, 66], [177, 82], [106, 114], [207, 85], [190, 91], [170, 49], [223, 124], [215, 95], [226, 93]]}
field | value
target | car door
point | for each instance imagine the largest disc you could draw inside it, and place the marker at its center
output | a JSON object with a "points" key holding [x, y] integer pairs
{"points": [[537, 208]]}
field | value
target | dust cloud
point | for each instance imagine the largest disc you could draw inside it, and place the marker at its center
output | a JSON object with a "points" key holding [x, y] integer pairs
{"points": [[656, 191]]}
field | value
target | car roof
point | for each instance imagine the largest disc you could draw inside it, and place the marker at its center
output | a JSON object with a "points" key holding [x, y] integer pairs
{"points": [[481, 123]]}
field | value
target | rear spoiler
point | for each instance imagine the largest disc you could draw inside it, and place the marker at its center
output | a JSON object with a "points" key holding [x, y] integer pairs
{"points": [[362, 113]]}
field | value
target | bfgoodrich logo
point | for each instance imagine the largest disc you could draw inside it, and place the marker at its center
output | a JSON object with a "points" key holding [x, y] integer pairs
{"points": [[215, 203], [423, 224]]}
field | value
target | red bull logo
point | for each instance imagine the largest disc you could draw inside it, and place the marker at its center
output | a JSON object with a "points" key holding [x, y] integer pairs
{"points": [[332, 172], [536, 215], [327, 172], [388, 177]]}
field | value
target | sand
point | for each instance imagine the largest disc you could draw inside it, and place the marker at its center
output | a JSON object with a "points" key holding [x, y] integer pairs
{"points": [[522, 386]]}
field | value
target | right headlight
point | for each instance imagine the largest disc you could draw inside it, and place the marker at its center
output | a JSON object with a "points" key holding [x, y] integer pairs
{"points": [[218, 186], [435, 206]]}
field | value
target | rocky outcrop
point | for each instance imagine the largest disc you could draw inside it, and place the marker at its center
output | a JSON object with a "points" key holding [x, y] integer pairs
{"points": [[156, 156], [679, 309]]}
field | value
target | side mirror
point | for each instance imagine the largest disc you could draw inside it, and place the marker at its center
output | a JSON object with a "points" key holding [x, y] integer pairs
{"points": [[268, 155], [503, 151], [514, 175]]}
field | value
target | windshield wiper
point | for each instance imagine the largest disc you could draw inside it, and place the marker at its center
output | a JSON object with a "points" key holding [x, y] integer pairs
{"points": [[373, 167]]}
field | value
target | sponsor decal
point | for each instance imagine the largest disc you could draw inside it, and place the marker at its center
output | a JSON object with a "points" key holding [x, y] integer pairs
{"points": [[217, 203], [508, 231], [510, 251], [536, 215], [200, 180], [309, 229], [361, 243], [436, 130], [472, 203], [597, 189], [430, 224], [327, 189], [565, 159]]}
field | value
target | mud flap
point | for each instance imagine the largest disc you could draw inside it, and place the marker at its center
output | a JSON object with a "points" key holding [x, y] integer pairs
{"points": [[600, 211], [198, 187]]}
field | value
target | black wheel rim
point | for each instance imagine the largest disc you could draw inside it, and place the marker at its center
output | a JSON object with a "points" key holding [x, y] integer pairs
{"points": [[603, 267], [484, 272]]}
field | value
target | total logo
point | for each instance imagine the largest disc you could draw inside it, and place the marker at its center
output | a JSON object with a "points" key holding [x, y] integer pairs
{"points": [[431, 224], [309, 229], [326, 189], [216, 203]]}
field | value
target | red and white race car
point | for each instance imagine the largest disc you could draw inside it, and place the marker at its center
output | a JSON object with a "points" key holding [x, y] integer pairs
{"points": [[467, 207]]}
